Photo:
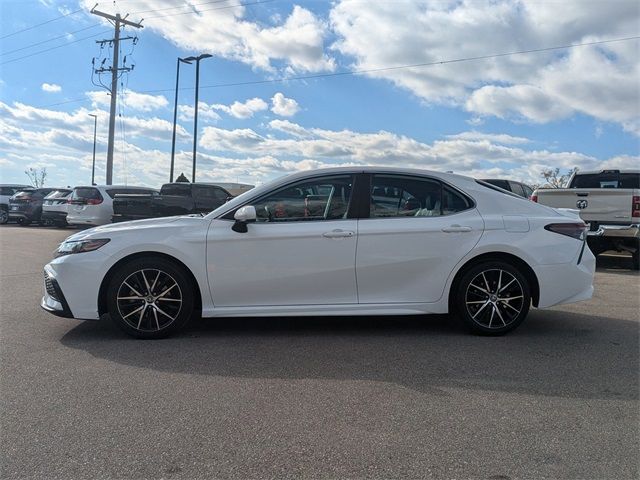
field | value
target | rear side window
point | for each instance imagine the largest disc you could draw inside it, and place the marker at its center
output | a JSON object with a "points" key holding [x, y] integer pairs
{"points": [[400, 196], [183, 190], [58, 194], [611, 179], [490, 186], [517, 188], [499, 183], [86, 193]]}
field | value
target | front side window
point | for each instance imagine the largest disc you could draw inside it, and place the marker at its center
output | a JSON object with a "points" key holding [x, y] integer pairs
{"points": [[399, 196], [318, 199]]}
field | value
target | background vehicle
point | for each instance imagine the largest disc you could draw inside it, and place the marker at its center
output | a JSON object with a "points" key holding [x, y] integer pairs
{"points": [[6, 192], [426, 243], [54, 207], [94, 205], [26, 205], [519, 188], [174, 199], [609, 201]]}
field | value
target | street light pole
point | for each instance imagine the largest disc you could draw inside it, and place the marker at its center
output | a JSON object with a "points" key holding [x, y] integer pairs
{"points": [[195, 115], [93, 165], [175, 117]]}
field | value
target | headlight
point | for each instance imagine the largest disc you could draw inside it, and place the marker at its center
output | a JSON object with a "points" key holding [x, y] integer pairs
{"points": [[80, 246]]}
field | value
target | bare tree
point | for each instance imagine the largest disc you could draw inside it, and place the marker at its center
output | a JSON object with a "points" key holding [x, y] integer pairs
{"points": [[555, 179], [37, 177]]}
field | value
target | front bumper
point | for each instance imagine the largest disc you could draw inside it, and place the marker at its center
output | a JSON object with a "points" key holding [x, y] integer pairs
{"points": [[624, 231], [53, 300]]}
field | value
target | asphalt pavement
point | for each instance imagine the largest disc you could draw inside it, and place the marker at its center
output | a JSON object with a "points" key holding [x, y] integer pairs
{"points": [[317, 397]]}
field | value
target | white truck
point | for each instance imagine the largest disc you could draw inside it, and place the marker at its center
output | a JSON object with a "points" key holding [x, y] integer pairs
{"points": [[609, 201]]}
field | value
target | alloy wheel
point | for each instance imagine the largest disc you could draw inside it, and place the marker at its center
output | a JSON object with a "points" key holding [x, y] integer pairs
{"points": [[494, 298], [149, 300]]}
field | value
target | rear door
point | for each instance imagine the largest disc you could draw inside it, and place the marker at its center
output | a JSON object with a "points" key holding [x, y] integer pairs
{"points": [[417, 231]]}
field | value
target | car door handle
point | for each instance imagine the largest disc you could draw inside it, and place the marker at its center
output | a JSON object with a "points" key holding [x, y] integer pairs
{"points": [[456, 228], [337, 233]]}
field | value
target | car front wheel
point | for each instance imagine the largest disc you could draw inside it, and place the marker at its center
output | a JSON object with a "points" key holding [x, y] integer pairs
{"points": [[493, 298], [4, 216], [150, 298]]}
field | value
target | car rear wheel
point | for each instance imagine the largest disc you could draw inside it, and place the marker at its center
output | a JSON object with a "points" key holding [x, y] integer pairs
{"points": [[150, 298], [493, 298]]}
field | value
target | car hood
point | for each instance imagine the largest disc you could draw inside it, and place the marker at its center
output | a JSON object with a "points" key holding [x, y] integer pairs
{"points": [[123, 227]]}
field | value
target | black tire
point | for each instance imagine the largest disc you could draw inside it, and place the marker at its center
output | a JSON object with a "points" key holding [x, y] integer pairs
{"points": [[4, 216], [24, 222], [635, 257], [492, 298], [163, 311]]}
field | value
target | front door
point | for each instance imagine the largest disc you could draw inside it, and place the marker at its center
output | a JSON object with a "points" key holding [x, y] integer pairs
{"points": [[300, 251]]}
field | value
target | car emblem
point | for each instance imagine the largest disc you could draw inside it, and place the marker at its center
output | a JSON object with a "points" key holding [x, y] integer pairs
{"points": [[582, 204]]}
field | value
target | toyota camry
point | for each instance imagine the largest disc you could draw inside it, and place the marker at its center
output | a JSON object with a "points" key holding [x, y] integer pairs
{"points": [[342, 241]]}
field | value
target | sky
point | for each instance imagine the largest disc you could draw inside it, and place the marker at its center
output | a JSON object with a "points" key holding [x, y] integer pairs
{"points": [[303, 85]]}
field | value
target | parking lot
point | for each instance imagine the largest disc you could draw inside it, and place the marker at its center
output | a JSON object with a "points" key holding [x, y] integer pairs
{"points": [[382, 397]]}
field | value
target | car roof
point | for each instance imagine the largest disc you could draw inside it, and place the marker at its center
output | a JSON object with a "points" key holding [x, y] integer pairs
{"points": [[621, 170], [115, 186]]}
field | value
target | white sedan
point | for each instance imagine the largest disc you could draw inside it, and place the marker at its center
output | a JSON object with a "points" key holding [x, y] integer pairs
{"points": [[344, 241]]}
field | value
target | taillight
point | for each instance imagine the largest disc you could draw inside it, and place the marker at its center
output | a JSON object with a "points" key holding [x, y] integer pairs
{"points": [[94, 201], [534, 198], [635, 206], [573, 230]]}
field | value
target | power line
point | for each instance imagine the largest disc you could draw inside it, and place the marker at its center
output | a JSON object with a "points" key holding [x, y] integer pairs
{"points": [[53, 48], [373, 70], [49, 40], [40, 24], [399, 67], [210, 9], [181, 6]]}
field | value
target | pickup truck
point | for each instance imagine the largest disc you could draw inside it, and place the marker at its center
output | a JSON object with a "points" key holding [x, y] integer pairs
{"points": [[173, 199], [609, 201]]}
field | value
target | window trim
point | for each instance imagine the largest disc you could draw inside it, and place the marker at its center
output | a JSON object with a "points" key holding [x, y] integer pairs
{"points": [[229, 215], [472, 202]]}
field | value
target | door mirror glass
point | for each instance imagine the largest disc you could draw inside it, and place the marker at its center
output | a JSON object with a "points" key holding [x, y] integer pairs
{"points": [[245, 214]]}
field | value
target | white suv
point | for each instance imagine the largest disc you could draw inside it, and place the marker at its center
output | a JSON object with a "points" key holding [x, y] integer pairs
{"points": [[93, 205]]}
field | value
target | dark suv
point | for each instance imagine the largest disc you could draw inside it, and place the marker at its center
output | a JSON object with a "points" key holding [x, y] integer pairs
{"points": [[520, 189], [26, 205]]}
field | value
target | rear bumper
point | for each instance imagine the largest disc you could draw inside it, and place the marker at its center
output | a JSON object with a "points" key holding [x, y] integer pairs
{"points": [[54, 216], [625, 231], [566, 282]]}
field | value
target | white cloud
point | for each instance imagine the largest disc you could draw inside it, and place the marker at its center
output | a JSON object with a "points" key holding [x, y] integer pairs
{"points": [[298, 39], [600, 81], [205, 112], [283, 106], [493, 137], [51, 88], [141, 102], [243, 110]]}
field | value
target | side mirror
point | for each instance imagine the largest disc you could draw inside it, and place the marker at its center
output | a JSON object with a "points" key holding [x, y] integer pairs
{"points": [[243, 215]]}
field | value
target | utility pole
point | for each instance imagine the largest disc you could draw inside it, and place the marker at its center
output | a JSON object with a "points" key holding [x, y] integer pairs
{"points": [[93, 165], [175, 118], [195, 113], [118, 22]]}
